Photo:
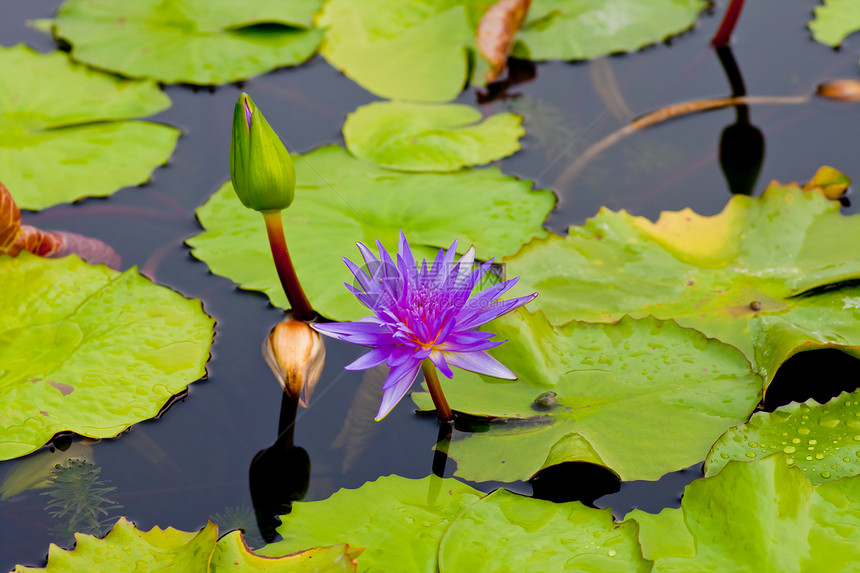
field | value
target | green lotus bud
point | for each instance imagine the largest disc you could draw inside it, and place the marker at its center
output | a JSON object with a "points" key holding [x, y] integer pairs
{"points": [[260, 166]]}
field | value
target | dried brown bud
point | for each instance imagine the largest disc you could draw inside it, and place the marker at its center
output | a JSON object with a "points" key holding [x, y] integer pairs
{"points": [[296, 354], [840, 89]]}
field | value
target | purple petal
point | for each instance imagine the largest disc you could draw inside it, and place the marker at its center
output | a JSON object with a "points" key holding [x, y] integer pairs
{"points": [[492, 311], [361, 276], [366, 254], [396, 386], [247, 113], [373, 358], [479, 362], [437, 357], [363, 333]]}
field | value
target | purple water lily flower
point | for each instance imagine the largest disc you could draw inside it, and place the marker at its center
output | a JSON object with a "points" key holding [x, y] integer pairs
{"points": [[425, 316]]}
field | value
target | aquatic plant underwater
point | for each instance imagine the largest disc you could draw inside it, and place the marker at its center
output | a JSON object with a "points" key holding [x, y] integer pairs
{"points": [[628, 350]]}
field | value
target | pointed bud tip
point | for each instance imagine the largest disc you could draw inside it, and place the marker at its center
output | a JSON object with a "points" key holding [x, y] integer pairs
{"points": [[296, 354]]}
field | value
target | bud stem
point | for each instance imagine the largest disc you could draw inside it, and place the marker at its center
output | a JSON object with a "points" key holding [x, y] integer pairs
{"points": [[443, 410], [727, 26], [286, 272]]}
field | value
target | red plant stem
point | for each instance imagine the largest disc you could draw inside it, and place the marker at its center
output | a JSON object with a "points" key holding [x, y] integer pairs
{"points": [[727, 26], [286, 272], [443, 410]]}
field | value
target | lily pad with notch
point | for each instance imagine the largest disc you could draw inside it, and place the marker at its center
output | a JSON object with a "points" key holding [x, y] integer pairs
{"points": [[86, 349], [341, 200], [641, 397], [79, 122], [772, 275], [581, 29], [426, 137], [190, 41]]}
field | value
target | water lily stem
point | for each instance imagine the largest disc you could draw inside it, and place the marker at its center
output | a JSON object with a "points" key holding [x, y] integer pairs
{"points": [[286, 272], [727, 26], [443, 410]]}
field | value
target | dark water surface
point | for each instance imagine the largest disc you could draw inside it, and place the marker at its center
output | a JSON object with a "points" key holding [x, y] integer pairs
{"points": [[193, 462]]}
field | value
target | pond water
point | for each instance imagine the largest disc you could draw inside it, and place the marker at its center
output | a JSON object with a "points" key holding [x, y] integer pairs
{"points": [[192, 464]]}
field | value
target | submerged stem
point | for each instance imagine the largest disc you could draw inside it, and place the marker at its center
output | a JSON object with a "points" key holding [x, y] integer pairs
{"points": [[443, 410], [286, 272]]}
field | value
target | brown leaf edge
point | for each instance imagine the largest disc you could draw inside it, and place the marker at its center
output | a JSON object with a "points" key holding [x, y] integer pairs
{"points": [[15, 237]]}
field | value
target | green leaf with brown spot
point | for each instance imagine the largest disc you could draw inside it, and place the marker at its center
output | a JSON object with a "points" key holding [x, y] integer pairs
{"points": [[89, 350]]}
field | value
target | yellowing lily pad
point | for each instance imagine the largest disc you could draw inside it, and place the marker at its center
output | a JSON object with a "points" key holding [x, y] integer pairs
{"points": [[758, 516], [516, 533], [640, 397], [66, 130], [834, 21], [127, 549], [416, 137], [398, 521], [418, 50], [89, 350], [823, 440], [341, 200], [583, 29], [190, 41], [758, 276]]}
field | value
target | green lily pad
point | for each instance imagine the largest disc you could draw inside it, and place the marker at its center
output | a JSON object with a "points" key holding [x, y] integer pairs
{"points": [[583, 29], [127, 549], [58, 113], [190, 41], [341, 200], [89, 350], [758, 516], [416, 137], [399, 521], [418, 50], [737, 276], [509, 532], [823, 440], [640, 397], [834, 21]]}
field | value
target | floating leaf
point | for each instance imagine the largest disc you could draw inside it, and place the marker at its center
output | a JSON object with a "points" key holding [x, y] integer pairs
{"points": [[126, 548], [64, 132], [509, 532], [341, 200], [736, 276], [89, 350], [823, 440], [759, 516], [418, 50], [834, 21], [582, 29], [622, 391], [399, 521], [416, 137], [190, 41]]}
